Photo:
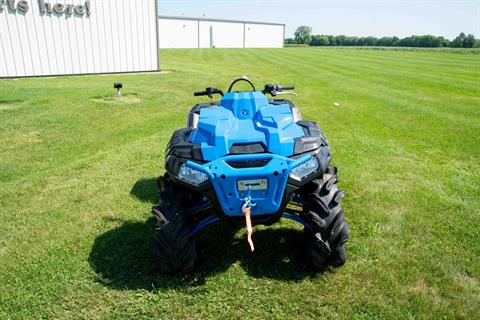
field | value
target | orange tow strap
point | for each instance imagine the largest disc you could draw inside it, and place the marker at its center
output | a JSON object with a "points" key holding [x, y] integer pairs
{"points": [[248, 222]]}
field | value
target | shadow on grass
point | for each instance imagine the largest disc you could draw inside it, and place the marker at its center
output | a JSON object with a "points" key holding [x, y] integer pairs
{"points": [[123, 257], [146, 190]]}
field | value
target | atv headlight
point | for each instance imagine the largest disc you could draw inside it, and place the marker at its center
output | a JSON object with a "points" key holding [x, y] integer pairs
{"points": [[303, 170], [191, 176]]}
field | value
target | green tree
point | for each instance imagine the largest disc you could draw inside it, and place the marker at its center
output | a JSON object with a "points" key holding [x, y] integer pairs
{"points": [[444, 42], [458, 41], [387, 41], [331, 41], [340, 40], [353, 41], [320, 40], [469, 41], [303, 35], [370, 41]]}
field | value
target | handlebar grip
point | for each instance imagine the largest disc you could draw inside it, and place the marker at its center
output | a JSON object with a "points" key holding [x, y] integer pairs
{"points": [[288, 88], [199, 93]]}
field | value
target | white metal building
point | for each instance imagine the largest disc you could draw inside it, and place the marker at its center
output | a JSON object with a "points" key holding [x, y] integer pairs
{"points": [[70, 37], [182, 32], [57, 37]]}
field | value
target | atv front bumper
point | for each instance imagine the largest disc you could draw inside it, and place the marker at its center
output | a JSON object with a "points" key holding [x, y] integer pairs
{"points": [[265, 184]]}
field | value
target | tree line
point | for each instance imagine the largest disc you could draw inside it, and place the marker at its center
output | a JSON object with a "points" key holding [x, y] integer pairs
{"points": [[303, 36]]}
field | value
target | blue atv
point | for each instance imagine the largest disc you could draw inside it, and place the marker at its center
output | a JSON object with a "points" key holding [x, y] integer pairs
{"points": [[248, 160]]}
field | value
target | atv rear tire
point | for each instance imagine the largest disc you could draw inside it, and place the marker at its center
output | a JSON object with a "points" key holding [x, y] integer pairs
{"points": [[329, 233], [175, 249]]}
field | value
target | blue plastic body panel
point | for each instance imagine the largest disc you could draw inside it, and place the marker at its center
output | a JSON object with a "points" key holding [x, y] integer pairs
{"points": [[246, 117], [225, 181]]}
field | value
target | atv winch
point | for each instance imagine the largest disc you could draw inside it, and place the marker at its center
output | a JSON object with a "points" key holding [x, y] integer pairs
{"points": [[242, 160]]}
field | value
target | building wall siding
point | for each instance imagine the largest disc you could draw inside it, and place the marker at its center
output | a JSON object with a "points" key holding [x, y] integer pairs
{"points": [[180, 32], [224, 34], [262, 35], [117, 36]]}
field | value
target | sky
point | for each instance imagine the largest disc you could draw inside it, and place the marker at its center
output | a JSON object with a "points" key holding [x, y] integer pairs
{"points": [[349, 17]]}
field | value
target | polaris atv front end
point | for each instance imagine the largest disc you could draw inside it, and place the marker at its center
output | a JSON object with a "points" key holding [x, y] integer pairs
{"points": [[243, 160]]}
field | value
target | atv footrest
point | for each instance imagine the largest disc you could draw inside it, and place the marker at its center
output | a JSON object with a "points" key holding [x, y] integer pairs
{"points": [[323, 246], [159, 216]]}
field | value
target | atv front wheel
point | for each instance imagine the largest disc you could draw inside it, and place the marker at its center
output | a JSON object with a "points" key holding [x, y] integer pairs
{"points": [[329, 233], [174, 247], [176, 251]]}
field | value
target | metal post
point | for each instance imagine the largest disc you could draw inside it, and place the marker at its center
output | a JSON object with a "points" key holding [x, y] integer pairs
{"points": [[211, 36], [244, 27]]}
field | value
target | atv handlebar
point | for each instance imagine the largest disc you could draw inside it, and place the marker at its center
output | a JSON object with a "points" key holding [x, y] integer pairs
{"points": [[271, 89], [274, 89], [208, 92]]}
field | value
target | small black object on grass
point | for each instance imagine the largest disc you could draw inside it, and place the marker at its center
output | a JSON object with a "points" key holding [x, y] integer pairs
{"points": [[118, 86]]}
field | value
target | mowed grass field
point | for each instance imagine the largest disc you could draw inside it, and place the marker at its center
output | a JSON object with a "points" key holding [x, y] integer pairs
{"points": [[77, 181]]}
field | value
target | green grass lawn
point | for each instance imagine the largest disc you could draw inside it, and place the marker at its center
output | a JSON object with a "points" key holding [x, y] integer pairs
{"points": [[77, 182]]}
